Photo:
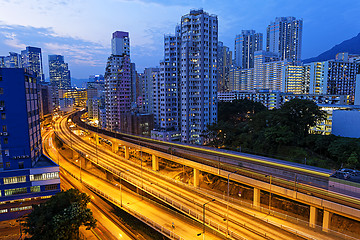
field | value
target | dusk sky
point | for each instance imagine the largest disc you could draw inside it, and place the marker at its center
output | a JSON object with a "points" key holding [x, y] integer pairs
{"points": [[81, 29]]}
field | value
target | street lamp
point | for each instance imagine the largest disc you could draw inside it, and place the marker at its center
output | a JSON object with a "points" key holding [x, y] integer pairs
{"points": [[203, 233], [269, 191], [227, 206], [120, 189]]}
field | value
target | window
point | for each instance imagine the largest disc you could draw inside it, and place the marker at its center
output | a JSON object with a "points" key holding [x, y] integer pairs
{"points": [[3, 116], [7, 164], [21, 165], [51, 187], [6, 140], [1, 91], [35, 189], [2, 103], [3, 211], [20, 208], [4, 128], [14, 191], [44, 176], [17, 179]]}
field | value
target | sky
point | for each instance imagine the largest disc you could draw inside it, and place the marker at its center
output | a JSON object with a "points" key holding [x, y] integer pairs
{"points": [[81, 29]]}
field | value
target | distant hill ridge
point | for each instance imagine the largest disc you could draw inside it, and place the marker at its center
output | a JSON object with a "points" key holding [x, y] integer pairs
{"points": [[351, 46]]}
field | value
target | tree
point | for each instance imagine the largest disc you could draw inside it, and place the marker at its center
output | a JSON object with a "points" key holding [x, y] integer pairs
{"points": [[300, 115], [238, 111], [60, 217]]}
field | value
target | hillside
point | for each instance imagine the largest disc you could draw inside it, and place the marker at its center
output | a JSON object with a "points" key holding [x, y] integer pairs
{"points": [[351, 46]]}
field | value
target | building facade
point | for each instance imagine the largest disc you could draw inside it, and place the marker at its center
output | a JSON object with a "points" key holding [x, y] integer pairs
{"points": [[118, 80], [332, 77], [284, 37], [59, 72], [274, 99], [224, 63], [167, 88], [26, 176], [148, 80], [198, 55], [246, 44], [31, 59]]}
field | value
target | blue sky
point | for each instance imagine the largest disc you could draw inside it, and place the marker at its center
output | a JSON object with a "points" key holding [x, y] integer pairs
{"points": [[81, 29]]}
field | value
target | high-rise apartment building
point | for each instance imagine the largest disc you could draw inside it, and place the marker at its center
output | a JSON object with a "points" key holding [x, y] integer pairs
{"points": [[284, 37], [31, 59], [118, 80], [332, 77], [167, 87], [27, 176], [294, 80], [246, 44], [59, 72], [11, 61], [148, 80], [185, 93], [268, 71], [198, 68], [224, 63]]}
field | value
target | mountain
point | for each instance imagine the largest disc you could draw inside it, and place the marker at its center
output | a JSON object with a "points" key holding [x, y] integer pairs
{"points": [[351, 46]]}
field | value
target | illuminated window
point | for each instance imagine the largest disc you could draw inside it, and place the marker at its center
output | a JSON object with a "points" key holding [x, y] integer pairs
{"points": [[17, 179], [35, 189], [14, 191]]}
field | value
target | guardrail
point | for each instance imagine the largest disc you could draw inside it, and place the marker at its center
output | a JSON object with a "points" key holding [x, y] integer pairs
{"points": [[170, 201], [214, 225]]}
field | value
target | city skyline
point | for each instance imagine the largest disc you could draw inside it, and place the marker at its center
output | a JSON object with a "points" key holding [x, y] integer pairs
{"points": [[86, 46]]}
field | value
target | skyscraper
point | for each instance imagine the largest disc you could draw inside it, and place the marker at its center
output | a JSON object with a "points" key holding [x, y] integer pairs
{"points": [[27, 176], [32, 60], [167, 88], [284, 36], [224, 63], [185, 93], [59, 72], [118, 80], [198, 68], [246, 44], [148, 79]]}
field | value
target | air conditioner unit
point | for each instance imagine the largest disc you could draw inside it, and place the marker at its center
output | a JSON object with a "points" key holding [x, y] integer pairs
{"points": [[1, 108], [5, 134]]}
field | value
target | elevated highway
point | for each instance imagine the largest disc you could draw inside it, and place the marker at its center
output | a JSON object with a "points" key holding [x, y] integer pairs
{"points": [[225, 163]]}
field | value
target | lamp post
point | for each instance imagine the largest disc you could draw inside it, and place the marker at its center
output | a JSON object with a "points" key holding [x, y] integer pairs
{"points": [[120, 189], [80, 169], [227, 205], [269, 192], [203, 233]]}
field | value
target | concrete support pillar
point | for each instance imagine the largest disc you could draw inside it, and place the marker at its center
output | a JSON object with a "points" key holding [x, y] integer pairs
{"points": [[155, 163], [109, 176], [313, 215], [196, 177], [83, 162], [87, 164], [256, 198], [326, 221], [115, 146], [97, 139], [127, 153], [75, 155]]}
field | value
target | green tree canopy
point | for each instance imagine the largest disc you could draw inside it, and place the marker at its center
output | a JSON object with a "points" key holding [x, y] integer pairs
{"points": [[238, 110], [60, 217], [299, 115]]}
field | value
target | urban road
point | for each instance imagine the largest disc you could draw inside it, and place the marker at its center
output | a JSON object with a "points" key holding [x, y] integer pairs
{"points": [[241, 224]]}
